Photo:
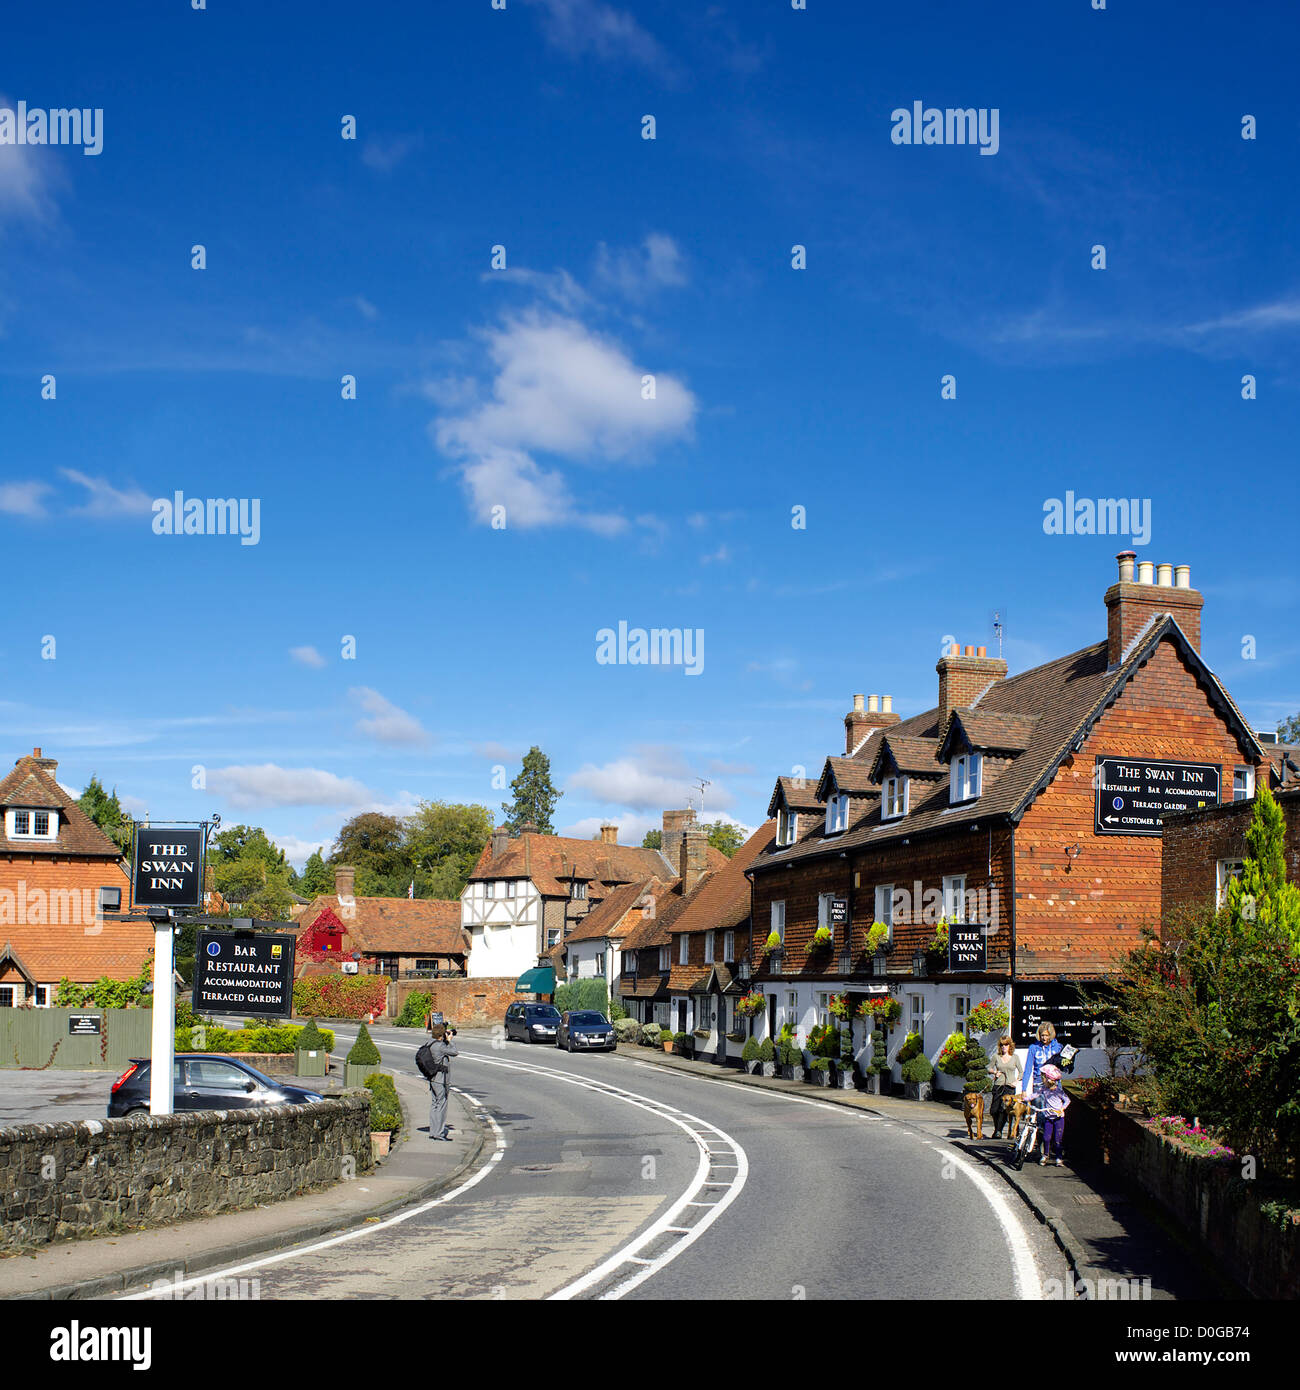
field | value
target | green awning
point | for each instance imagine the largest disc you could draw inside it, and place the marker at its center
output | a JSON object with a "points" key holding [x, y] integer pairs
{"points": [[540, 980]]}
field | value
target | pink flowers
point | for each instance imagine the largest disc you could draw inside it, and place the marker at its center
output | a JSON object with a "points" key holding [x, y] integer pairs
{"points": [[1192, 1135]]}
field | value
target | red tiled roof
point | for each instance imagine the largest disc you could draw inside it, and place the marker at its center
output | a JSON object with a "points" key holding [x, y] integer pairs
{"points": [[393, 926], [609, 918], [722, 901], [550, 861], [32, 784]]}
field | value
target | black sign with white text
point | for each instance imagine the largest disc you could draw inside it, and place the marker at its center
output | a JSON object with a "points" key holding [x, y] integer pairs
{"points": [[168, 866], [1133, 793], [83, 1025], [244, 973], [839, 911], [967, 946], [1061, 1006]]}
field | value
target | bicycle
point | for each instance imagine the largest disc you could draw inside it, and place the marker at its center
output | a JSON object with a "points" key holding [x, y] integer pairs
{"points": [[1030, 1133]]}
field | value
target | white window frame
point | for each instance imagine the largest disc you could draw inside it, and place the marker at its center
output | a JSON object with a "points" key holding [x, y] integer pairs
{"points": [[965, 777], [894, 797], [916, 1013], [708, 946], [791, 1011], [885, 906], [729, 946], [490, 889], [822, 1001], [824, 901], [665, 958], [837, 813], [1245, 776], [778, 919], [1223, 875], [954, 897], [787, 826], [961, 1014], [512, 888], [8, 998], [578, 890], [44, 996], [684, 952]]}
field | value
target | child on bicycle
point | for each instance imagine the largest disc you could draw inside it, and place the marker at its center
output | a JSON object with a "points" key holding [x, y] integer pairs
{"points": [[1053, 1103]]}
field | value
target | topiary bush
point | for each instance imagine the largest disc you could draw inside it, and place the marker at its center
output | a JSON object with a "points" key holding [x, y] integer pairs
{"points": [[311, 1039], [977, 1063], [385, 1107], [766, 1051], [879, 1051], [415, 1010], [363, 1052], [749, 1053], [918, 1069]]}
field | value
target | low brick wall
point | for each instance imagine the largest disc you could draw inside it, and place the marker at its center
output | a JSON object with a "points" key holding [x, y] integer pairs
{"points": [[1213, 1204], [60, 1181], [460, 1001]]}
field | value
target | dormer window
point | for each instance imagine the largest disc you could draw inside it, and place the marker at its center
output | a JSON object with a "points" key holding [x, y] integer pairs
{"points": [[787, 827], [578, 890], [31, 825], [965, 777], [837, 813], [893, 799]]}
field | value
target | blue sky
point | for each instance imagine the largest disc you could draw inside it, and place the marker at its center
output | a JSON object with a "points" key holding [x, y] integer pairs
{"points": [[776, 388]]}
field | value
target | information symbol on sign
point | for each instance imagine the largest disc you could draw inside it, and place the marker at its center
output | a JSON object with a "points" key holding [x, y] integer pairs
{"points": [[214, 948], [1118, 803]]}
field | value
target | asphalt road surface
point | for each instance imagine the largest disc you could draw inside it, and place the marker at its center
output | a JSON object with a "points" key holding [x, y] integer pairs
{"points": [[614, 1178]]}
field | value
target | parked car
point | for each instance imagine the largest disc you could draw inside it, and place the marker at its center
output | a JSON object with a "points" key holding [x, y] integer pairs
{"points": [[584, 1030], [532, 1022], [204, 1081]]}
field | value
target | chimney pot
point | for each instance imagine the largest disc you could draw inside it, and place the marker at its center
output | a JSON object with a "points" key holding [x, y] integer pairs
{"points": [[1165, 576], [500, 838], [981, 651], [970, 650], [345, 877], [857, 702], [36, 752], [954, 650], [1183, 577], [1126, 558], [1129, 609], [609, 834], [1146, 572], [873, 704], [886, 704]]}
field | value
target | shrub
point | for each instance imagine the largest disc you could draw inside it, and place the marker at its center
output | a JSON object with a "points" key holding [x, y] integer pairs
{"points": [[819, 1064], [415, 1010], [650, 1034], [385, 1107], [877, 937], [626, 1029], [310, 1039], [681, 1039], [340, 996], [911, 1047], [879, 1052], [749, 1053], [766, 1051], [846, 1044], [977, 1068], [616, 1011], [583, 994], [363, 1053], [824, 1040], [917, 1069], [952, 1059], [211, 1037]]}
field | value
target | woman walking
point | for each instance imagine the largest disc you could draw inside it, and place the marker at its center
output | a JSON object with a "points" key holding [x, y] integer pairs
{"points": [[1040, 1053], [1005, 1068]]}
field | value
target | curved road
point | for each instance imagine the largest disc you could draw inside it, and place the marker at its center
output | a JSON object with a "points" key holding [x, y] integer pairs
{"points": [[613, 1177]]}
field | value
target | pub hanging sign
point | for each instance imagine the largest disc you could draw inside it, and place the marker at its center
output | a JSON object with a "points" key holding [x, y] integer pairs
{"points": [[167, 866]]}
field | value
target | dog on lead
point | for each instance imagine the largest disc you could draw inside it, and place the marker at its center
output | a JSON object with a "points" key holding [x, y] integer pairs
{"points": [[1017, 1111], [972, 1108]]}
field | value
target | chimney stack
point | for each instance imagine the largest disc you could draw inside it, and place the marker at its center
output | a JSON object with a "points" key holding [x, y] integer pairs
{"points": [[345, 878], [860, 723], [964, 677], [670, 845], [1130, 604], [500, 839], [693, 857], [609, 834]]}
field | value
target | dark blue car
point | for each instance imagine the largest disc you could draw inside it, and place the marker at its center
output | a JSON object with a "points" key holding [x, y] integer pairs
{"points": [[584, 1030], [204, 1081]]}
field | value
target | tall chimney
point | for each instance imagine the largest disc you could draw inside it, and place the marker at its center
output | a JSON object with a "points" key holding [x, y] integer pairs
{"points": [[693, 857], [963, 678], [675, 823], [1130, 604], [859, 723], [500, 839], [609, 834], [345, 878]]}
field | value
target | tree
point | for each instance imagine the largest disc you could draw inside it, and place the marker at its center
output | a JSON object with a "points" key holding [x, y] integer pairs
{"points": [[443, 842], [1289, 729], [725, 837], [246, 842], [104, 809], [654, 839], [316, 876], [251, 873], [373, 841], [535, 795]]}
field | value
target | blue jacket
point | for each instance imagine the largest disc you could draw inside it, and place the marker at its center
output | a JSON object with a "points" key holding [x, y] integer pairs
{"points": [[1038, 1057]]}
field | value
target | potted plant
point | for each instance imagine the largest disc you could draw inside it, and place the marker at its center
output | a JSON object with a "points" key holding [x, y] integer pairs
{"points": [[310, 1055], [878, 1067], [669, 1039], [977, 1068], [683, 1044], [821, 941], [385, 1112], [952, 1056], [819, 1071], [877, 938], [917, 1075], [362, 1059], [847, 1076], [989, 1016], [749, 1056], [767, 1057]]}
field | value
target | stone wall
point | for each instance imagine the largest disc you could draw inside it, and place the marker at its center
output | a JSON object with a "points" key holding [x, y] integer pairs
{"points": [[1213, 1205], [59, 1181], [467, 1001]]}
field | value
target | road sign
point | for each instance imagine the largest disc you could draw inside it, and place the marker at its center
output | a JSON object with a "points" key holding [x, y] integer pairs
{"points": [[1133, 793], [967, 946], [167, 866], [83, 1025], [244, 973]]}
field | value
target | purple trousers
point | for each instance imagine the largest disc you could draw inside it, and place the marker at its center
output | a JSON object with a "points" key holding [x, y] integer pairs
{"points": [[1053, 1135]]}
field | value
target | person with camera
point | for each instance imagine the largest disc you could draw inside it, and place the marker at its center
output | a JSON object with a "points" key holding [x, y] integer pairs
{"points": [[434, 1062]]}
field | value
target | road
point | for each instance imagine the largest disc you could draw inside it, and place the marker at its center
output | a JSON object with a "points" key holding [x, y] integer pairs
{"points": [[611, 1177]]}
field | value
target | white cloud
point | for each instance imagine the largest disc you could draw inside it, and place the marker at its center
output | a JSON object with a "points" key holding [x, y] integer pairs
{"points": [[631, 828], [384, 153], [27, 177], [648, 779], [23, 499], [582, 27], [307, 656], [498, 752], [1281, 313], [297, 851], [386, 721], [559, 388], [637, 272], [105, 500], [364, 307], [268, 784]]}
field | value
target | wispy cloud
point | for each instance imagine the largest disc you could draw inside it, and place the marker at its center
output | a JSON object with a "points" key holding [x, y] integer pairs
{"points": [[384, 721], [24, 499], [307, 656], [592, 28], [268, 784], [637, 272], [105, 501], [384, 153]]}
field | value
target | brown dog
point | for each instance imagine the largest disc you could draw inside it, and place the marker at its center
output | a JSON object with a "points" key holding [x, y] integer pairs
{"points": [[1017, 1109], [972, 1107]]}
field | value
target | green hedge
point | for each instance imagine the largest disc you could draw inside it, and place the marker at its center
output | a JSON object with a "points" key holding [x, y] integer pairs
{"points": [[385, 1107], [415, 1010], [214, 1038], [583, 994]]}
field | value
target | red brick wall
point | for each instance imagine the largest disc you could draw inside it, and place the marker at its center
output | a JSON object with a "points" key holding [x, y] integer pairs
{"points": [[461, 1001], [1195, 841], [1073, 916]]}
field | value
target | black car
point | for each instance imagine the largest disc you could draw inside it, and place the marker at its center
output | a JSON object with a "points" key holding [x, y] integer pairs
{"points": [[584, 1030], [532, 1022], [204, 1081]]}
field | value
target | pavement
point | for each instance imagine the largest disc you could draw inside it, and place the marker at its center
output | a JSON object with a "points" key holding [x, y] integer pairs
{"points": [[102, 1266], [46, 1097], [1102, 1229]]}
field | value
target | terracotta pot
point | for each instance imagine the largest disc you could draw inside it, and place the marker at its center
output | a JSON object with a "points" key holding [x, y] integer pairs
{"points": [[380, 1141], [668, 1046]]}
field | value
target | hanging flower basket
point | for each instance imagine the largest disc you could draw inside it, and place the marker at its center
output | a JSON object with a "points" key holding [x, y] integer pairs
{"points": [[990, 1016], [882, 1008], [751, 1005], [877, 937], [821, 941], [839, 1005]]}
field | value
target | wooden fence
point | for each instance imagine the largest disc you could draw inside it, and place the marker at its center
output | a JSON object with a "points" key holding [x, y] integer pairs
{"points": [[40, 1038]]}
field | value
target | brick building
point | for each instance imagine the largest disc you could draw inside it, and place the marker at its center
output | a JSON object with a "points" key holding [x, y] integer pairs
{"points": [[58, 873], [987, 811]]}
